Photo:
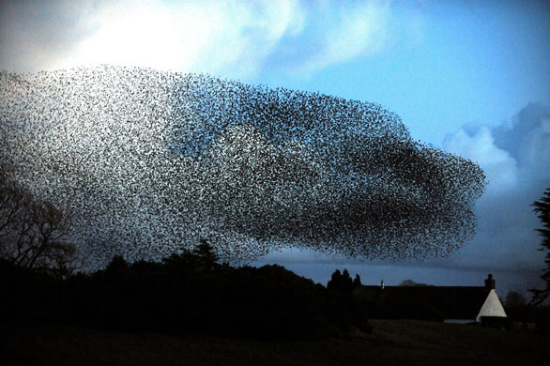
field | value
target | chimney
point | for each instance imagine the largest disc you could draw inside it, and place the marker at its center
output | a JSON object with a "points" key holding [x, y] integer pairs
{"points": [[490, 282]]}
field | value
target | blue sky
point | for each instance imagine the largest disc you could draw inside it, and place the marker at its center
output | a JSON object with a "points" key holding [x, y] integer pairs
{"points": [[469, 77]]}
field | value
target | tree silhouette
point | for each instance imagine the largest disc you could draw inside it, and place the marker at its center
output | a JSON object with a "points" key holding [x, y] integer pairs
{"points": [[33, 232], [205, 254], [117, 265], [357, 280], [542, 210], [515, 299], [342, 282]]}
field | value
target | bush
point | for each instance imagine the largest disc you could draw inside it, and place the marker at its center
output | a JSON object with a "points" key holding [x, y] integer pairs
{"points": [[190, 293]]}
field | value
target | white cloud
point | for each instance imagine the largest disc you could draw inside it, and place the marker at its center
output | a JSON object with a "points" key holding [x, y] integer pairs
{"points": [[516, 159], [142, 36], [360, 30], [231, 37], [237, 39], [33, 33], [500, 168]]}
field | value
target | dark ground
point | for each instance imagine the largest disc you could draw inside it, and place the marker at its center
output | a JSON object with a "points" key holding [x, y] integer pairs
{"points": [[393, 342]]}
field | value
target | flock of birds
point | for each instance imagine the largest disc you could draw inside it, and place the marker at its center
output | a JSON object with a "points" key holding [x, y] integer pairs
{"points": [[145, 162]]}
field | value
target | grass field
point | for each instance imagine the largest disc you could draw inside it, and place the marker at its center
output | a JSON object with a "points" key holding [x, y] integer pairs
{"points": [[396, 342]]}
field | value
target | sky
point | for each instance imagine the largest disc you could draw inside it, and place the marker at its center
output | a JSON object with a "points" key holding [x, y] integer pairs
{"points": [[468, 77]]}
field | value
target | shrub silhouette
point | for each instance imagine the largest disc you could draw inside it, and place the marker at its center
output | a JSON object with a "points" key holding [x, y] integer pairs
{"points": [[187, 292]]}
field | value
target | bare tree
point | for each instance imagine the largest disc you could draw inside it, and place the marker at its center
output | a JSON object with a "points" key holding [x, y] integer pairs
{"points": [[33, 233], [13, 202]]}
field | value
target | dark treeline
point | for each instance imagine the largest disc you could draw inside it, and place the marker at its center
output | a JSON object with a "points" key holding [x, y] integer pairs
{"points": [[187, 292]]}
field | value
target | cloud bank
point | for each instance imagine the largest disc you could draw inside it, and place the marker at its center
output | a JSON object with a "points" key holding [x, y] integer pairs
{"points": [[237, 38], [515, 156]]}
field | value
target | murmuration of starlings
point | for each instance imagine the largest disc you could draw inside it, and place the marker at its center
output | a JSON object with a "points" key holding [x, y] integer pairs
{"points": [[145, 162]]}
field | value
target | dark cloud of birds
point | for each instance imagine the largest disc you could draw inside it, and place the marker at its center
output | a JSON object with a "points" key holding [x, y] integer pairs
{"points": [[146, 161]]}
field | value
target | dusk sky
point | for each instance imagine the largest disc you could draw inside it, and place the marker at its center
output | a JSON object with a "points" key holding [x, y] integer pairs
{"points": [[468, 77]]}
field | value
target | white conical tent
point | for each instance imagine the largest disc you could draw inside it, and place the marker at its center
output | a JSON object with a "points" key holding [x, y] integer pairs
{"points": [[491, 307]]}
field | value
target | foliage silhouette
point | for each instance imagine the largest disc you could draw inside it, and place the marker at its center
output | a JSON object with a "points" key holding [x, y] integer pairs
{"points": [[186, 293], [33, 232], [542, 210], [344, 308], [342, 282]]}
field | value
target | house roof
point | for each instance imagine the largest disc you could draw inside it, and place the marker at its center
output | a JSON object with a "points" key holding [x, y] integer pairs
{"points": [[423, 302]]}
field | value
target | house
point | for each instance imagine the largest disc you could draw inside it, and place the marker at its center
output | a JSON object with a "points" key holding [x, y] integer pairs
{"points": [[460, 304]]}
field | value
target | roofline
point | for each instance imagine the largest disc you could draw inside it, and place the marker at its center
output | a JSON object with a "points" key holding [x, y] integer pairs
{"points": [[423, 286]]}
